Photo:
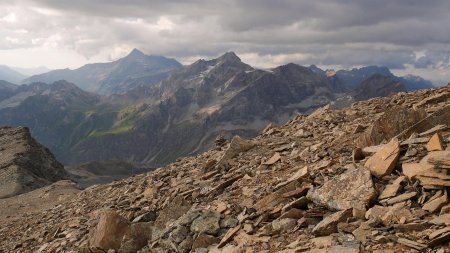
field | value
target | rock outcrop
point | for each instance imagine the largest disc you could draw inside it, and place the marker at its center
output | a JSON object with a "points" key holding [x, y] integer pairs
{"points": [[24, 163], [291, 192]]}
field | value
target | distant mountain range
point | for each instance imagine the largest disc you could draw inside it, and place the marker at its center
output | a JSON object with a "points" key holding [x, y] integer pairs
{"points": [[31, 71], [114, 77], [10, 75], [160, 110]]}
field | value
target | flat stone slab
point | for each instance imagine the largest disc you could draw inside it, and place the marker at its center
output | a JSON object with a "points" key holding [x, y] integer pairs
{"points": [[383, 162], [352, 189]]}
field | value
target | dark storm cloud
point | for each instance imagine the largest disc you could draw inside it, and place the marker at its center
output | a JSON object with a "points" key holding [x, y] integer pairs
{"points": [[342, 32]]}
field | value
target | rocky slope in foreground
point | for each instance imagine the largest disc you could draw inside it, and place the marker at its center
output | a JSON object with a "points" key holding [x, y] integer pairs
{"points": [[25, 164], [369, 178]]}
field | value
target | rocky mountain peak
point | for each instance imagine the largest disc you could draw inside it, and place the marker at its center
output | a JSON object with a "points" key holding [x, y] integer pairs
{"points": [[294, 69], [229, 57], [135, 53], [378, 85], [24, 163]]}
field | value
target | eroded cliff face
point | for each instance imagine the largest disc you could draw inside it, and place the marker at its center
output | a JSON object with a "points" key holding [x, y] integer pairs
{"points": [[24, 163], [333, 181]]}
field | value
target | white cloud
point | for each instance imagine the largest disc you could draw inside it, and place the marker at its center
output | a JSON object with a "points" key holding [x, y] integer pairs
{"points": [[9, 18], [264, 33]]}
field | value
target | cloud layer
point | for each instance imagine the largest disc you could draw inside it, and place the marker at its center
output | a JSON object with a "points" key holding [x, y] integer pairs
{"points": [[403, 35]]}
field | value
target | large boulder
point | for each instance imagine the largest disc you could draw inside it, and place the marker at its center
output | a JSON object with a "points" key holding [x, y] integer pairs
{"points": [[390, 124], [352, 189], [109, 232]]}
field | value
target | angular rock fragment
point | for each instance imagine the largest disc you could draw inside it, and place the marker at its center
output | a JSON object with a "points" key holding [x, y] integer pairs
{"points": [[329, 224], [207, 223], [434, 205], [412, 170], [434, 130], [443, 219], [412, 244], [275, 158], [177, 207], [396, 214], [383, 162], [362, 232], [353, 188], [440, 159], [283, 224], [229, 236], [435, 143], [109, 231], [400, 198], [390, 124], [432, 182], [438, 117], [204, 241], [392, 189], [139, 235], [440, 239], [237, 146], [146, 217], [438, 233], [275, 198]]}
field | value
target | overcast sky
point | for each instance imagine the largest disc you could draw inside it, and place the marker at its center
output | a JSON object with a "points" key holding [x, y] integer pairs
{"points": [[410, 36]]}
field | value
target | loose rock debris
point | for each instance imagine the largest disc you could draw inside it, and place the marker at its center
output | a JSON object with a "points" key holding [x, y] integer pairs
{"points": [[300, 187]]}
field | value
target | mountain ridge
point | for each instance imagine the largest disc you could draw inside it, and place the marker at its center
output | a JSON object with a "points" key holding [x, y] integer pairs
{"points": [[180, 115], [10, 75], [25, 164], [113, 77]]}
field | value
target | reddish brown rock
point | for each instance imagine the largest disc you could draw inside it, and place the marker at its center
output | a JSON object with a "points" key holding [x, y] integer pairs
{"points": [[237, 146], [436, 204], [392, 189], [435, 143], [390, 124], [109, 232], [329, 224], [275, 158], [440, 159], [383, 162], [204, 241]]}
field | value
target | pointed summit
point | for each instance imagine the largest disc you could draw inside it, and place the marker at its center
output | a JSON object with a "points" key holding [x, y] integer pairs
{"points": [[229, 57], [135, 53]]}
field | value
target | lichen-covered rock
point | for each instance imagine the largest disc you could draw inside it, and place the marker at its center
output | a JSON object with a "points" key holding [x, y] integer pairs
{"points": [[352, 189], [207, 223]]}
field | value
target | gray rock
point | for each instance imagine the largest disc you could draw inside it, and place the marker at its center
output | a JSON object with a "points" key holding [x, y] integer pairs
{"points": [[207, 223], [285, 224], [352, 189], [229, 222], [146, 217], [179, 234]]}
